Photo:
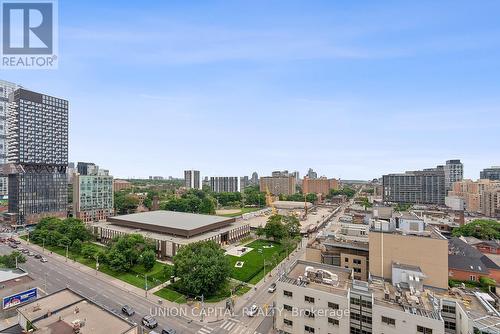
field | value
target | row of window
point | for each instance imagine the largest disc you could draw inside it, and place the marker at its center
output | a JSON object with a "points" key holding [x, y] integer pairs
{"points": [[362, 302]]}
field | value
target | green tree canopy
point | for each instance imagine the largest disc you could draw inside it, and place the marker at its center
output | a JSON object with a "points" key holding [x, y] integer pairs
{"points": [[126, 203], [9, 260], [347, 191], [148, 259], [202, 268], [484, 229]]}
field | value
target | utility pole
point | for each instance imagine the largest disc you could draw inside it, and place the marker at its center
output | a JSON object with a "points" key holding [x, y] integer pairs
{"points": [[146, 283], [202, 307]]}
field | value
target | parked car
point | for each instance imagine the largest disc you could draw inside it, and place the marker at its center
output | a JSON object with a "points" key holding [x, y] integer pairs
{"points": [[38, 256], [25, 251], [149, 322], [168, 331], [128, 310], [272, 288], [43, 260], [13, 245], [31, 254], [17, 242], [253, 310]]}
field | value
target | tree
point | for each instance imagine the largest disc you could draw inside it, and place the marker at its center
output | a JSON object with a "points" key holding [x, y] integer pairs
{"points": [[260, 232], [202, 268], [484, 229], [292, 226], [76, 247], [253, 196], [288, 245], [126, 203], [312, 198], [148, 259], [274, 229], [9, 260], [207, 206], [347, 191], [117, 261], [167, 271], [88, 251], [365, 202]]}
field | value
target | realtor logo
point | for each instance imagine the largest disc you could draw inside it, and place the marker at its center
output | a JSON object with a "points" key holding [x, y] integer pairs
{"points": [[29, 34]]}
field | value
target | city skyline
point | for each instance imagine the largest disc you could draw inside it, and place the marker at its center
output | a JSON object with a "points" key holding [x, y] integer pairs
{"points": [[286, 87]]}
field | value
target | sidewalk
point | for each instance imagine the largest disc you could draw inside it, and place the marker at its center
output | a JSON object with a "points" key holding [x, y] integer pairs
{"points": [[158, 301], [140, 293]]}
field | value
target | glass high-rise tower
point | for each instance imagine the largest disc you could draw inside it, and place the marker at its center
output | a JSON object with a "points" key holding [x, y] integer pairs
{"points": [[5, 89], [37, 140]]}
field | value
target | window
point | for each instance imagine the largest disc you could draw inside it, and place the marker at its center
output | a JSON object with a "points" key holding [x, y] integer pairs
{"points": [[287, 293], [309, 299], [449, 309], [287, 307], [355, 301], [346, 259], [366, 303], [449, 325], [333, 306], [309, 329], [425, 330], [357, 270], [472, 277], [288, 322], [333, 322], [388, 321], [356, 261]]}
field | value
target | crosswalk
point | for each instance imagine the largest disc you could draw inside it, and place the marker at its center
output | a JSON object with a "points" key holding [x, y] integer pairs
{"points": [[205, 330], [234, 326]]}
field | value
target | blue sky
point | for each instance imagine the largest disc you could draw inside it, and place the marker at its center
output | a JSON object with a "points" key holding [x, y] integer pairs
{"points": [[353, 89]]}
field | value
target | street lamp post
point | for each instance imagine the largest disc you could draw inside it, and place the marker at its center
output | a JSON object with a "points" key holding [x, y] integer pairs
{"points": [[146, 283], [264, 261], [43, 245]]}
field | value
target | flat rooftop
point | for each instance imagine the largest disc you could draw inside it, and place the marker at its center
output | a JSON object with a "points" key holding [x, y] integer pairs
{"points": [[180, 240], [339, 285], [11, 274], [291, 205], [171, 222], [59, 312]]}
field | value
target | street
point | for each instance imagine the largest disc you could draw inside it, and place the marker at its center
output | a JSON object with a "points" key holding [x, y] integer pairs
{"points": [[56, 275]]}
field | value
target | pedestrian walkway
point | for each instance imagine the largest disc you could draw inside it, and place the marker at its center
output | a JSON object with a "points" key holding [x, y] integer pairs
{"points": [[205, 330], [235, 326]]}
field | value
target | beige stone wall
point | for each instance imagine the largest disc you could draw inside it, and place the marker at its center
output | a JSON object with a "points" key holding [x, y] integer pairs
{"points": [[313, 255], [430, 254], [350, 263]]}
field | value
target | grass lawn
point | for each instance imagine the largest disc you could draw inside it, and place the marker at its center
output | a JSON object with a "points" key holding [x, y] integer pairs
{"points": [[242, 211], [169, 293], [136, 275], [253, 267]]}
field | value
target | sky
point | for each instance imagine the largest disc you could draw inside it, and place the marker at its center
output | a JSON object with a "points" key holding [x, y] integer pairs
{"points": [[352, 89]]}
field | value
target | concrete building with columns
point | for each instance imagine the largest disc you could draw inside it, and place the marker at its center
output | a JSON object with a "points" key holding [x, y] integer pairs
{"points": [[171, 230]]}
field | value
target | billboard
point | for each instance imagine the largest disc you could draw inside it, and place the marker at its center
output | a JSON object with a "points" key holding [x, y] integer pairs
{"points": [[20, 298]]}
